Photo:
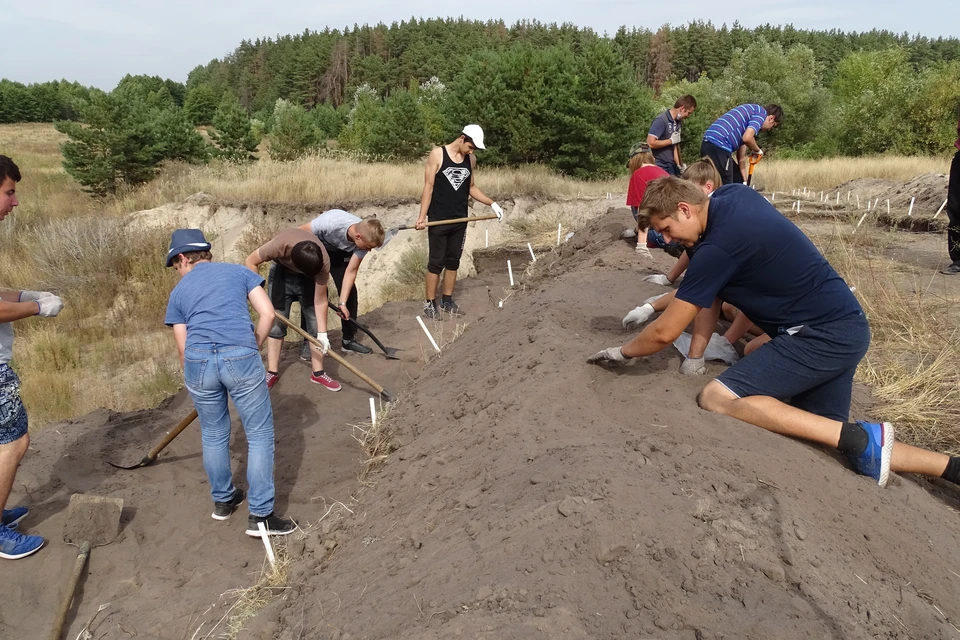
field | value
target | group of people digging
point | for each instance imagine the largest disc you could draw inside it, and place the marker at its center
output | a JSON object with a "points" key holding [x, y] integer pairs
{"points": [[797, 378]]}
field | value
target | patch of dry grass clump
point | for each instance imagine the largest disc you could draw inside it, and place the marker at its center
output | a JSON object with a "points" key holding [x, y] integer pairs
{"points": [[786, 175]]}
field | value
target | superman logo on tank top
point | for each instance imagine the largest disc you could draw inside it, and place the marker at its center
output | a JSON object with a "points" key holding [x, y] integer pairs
{"points": [[457, 176]]}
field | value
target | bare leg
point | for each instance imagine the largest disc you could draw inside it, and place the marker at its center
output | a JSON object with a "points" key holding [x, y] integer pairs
{"points": [[755, 344], [273, 353], [738, 327], [316, 359], [433, 279], [449, 280], [703, 327], [10, 456], [771, 414]]}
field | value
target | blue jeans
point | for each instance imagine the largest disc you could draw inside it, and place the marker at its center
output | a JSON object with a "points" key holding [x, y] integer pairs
{"points": [[211, 372]]}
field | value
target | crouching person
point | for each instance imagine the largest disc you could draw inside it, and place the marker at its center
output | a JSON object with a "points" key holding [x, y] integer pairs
{"points": [[220, 351]]}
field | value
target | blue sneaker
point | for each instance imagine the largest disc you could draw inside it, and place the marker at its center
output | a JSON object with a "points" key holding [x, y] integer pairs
{"points": [[15, 545], [13, 516], [875, 459]]}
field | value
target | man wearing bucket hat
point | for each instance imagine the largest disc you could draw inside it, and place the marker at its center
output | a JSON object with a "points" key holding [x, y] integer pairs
{"points": [[449, 181], [220, 351], [14, 437]]}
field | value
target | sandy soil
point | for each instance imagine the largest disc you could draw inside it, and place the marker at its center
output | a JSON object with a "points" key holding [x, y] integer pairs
{"points": [[531, 496]]}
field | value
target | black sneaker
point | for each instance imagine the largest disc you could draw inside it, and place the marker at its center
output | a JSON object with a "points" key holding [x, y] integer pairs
{"points": [[305, 351], [276, 526], [430, 310], [451, 307], [952, 269], [353, 345], [223, 510]]}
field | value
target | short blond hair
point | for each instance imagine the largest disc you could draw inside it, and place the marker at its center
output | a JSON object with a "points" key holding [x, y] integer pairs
{"points": [[372, 231], [663, 197], [703, 171]]}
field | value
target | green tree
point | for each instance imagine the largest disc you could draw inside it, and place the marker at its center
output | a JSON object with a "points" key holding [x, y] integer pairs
{"points": [[357, 135], [178, 139], [114, 144], [292, 133], [232, 133], [200, 105], [401, 129]]}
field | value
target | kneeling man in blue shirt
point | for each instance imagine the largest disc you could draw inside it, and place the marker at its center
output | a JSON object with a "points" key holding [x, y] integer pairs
{"points": [[800, 383]]}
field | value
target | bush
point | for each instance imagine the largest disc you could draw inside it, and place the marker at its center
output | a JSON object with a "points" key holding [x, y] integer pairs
{"points": [[232, 133], [293, 133], [401, 129]]}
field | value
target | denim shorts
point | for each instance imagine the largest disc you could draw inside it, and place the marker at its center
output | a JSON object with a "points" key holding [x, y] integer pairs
{"points": [[13, 416], [810, 368]]}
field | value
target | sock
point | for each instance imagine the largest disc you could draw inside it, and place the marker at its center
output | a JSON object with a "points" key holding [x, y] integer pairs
{"points": [[853, 439], [431, 303], [273, 372], [447, 298], [952, 472], [317, 374]]}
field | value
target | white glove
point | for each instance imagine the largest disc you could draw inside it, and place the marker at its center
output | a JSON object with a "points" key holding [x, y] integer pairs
{"points": [[33, 296], [324, 342], [658, 279], [653, 299], [759, 153], [612, 355], [675, 138], [693, 367], [50, 305], [497, 209], [638, 316], [683, 168]]}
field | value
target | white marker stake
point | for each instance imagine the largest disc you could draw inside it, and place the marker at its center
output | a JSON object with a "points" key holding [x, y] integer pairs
{"points": [[531, 252], [888, 206], [876, 203], [266, 544], [559, 226], [858, 201], [773, 197], [821, 196], [429, 337], [940, 209], [862, 218], [373, 413], [868, 205], [798, 206], [510, 271], [838, 198], [487, 236], [910, 210]]}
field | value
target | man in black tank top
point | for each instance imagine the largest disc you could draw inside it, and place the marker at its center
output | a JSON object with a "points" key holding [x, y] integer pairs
{"points": [[447, 185]]}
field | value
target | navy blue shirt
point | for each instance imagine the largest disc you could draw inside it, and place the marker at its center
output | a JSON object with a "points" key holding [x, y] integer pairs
{"points": [[212, 301], [760, 262], [662, 128]]}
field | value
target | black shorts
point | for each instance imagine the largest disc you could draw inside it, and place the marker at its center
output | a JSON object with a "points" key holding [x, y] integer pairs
{"points": [[725, 161], [446, 247]]}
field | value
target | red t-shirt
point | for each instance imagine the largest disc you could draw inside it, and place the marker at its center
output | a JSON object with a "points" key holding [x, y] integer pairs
{"points": [[638, 183]]}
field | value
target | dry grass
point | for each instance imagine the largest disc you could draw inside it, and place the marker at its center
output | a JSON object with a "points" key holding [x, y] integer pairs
{"points": [[913, 365], [786, 175]]}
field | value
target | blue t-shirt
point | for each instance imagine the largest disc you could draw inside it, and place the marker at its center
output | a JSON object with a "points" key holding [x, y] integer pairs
{"points": [[662, 128], [760, 262], [212, 301], [727, 131]]}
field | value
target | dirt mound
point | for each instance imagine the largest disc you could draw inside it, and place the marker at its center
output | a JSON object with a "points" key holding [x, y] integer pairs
{"points": [[928, 190], [537, 496]]}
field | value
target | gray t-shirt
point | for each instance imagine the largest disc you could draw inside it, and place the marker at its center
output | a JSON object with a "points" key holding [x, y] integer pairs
{"points": [[331, 227], [6, 342]]}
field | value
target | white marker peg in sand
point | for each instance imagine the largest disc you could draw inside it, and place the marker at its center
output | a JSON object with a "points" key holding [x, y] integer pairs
{"points": [[429, 337], [876, 203], [267, 545], [798, 206], [940, 209], [773, 197], [862, 218], [868, 205], [888, 206], [559, 226], [373, 413], [486, 234], [821, 196], [531, 252], [910, 210], [858, 201], [838, 198], [510, 271]]}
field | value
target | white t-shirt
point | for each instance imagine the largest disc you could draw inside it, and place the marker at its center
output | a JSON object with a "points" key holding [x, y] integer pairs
{"points": [[331, 227]]}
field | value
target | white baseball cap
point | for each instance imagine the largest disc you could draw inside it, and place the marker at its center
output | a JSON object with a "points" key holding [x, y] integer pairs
{"points": [[475, 133]]}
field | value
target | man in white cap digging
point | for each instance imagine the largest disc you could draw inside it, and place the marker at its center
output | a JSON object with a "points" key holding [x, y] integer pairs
{"points": [[449, 181]]}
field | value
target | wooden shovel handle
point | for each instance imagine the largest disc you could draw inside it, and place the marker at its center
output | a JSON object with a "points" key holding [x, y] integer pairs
{"points": [[437, 223], [177, 430], [330, 352], [81, 560]]}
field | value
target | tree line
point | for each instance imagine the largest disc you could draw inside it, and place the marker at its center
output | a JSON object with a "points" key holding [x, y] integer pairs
{"points": [[559, 95]]}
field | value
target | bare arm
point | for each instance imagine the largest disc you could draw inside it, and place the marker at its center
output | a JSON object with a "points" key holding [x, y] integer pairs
{"points": [[261, 304], [180, 336], [660, 334], [475, 192], [750, 139], [10, 296], [656, 143], [253, 261], [682, 262], [429, 175], [320, 306], [306, 227], [349, 278], [10, 311]]}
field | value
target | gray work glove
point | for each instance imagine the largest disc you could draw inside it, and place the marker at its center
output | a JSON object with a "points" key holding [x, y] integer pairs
{"points": [[638, 316], [33, 296], [658, 278], [50, 305], [613, 355], [693, 367], [675, 138]]}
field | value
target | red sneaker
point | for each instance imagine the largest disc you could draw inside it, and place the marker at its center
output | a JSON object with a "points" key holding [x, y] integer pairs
{"points": [[272, 379], [328, 382]]}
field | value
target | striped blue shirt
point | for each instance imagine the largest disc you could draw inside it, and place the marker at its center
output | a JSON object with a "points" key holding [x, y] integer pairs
{"points": [[727, 131]]}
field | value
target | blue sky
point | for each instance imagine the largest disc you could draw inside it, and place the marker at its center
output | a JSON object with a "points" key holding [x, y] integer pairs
{"points": [[97, 42]]}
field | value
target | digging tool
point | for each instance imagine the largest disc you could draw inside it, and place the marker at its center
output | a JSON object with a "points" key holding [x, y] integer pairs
{"points": [[754, 161], [153, 453], [92, 521], [405, 227], [389, 352], [384, 394]]}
